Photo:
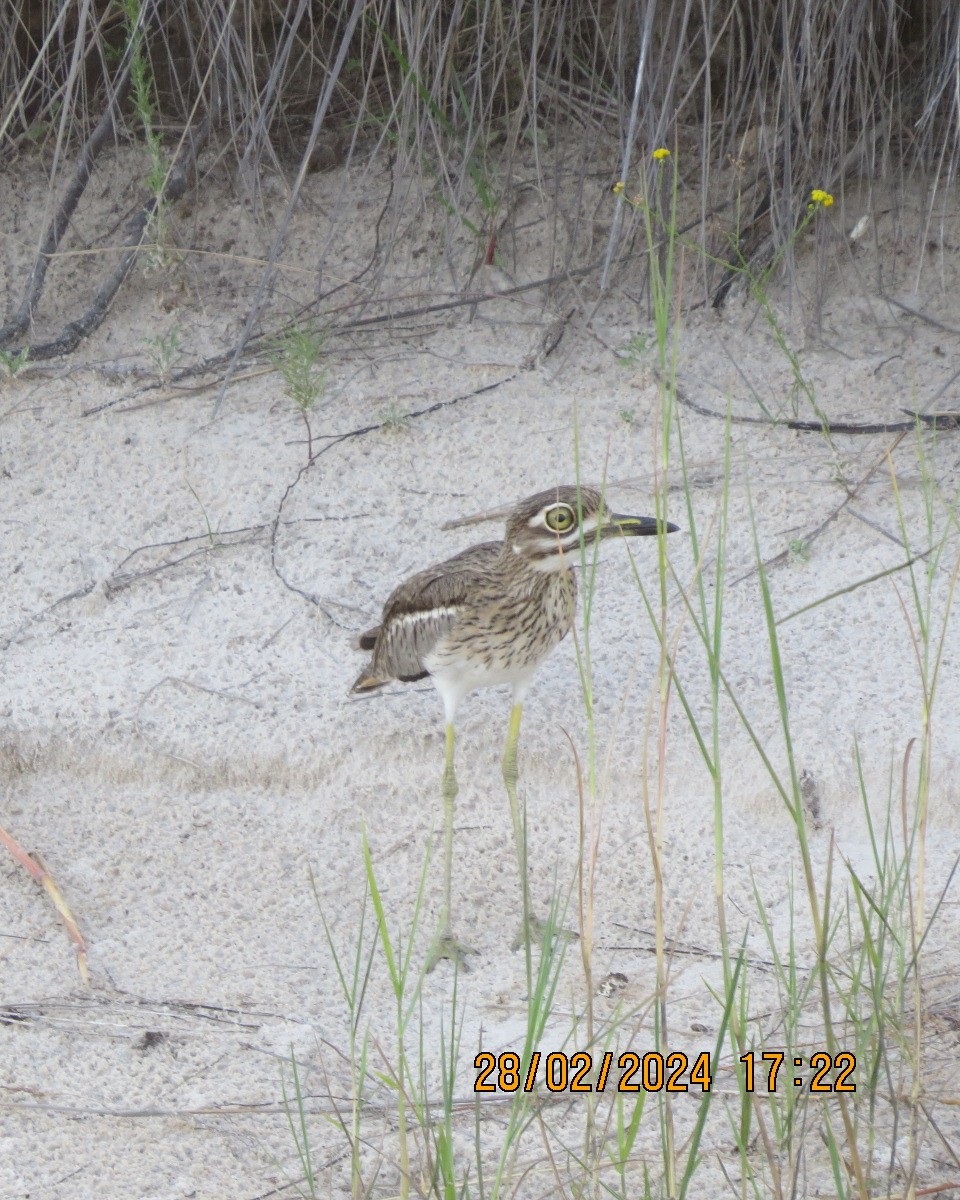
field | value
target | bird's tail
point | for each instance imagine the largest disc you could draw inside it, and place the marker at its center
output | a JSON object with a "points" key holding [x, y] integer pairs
{"points": [[367, 682]]}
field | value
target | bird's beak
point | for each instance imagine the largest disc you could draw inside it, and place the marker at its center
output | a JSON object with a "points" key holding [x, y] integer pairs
{"points": [[635, 526]]}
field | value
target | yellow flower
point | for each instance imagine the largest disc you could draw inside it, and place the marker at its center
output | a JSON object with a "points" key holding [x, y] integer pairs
{"points": [[660, 153], [818, 196], [618, 187]]}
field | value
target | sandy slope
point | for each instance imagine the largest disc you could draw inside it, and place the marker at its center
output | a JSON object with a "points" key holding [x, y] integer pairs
{"points": [[177, 743]]}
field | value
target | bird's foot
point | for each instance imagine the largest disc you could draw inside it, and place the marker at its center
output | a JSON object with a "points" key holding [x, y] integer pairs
{"points": [[534, 930], [445, 945]]}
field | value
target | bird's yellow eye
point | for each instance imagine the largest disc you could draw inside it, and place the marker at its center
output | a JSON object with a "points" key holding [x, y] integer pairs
{"points": [[560, 518]]}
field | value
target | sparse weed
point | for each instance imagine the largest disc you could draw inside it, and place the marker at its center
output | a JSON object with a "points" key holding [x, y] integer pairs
{"points": [[393, 417], [633, 353], [758, 286], [835, 1000], [12, 363], [296, 356], [164, 352]]}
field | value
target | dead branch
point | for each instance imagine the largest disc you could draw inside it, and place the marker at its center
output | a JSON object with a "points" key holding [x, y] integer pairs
{"points": [[183, 173], [220, 540], [76, 594], [940, 420], [58, 226]]}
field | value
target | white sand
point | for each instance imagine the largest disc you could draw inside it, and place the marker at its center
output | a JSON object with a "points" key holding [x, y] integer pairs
{"points": [[182, 753]]}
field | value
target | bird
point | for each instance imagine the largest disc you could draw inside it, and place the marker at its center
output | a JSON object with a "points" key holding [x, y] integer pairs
{"points": [[487, 616]]}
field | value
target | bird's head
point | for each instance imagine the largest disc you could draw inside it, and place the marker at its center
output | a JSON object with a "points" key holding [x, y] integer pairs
{"points": [[545, 529]]}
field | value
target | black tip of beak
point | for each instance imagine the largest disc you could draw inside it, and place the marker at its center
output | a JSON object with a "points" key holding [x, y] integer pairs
{"points": [[636, 526]]}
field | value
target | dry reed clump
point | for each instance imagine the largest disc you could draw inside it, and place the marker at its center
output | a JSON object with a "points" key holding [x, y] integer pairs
{"points": [[767, 101]]}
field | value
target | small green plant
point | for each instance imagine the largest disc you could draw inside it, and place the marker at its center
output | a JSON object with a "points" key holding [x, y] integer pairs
{"points": [[164, 351], [799, 549], [628, 416], [393, 417], [635, 350], [13, 363], [295, 356]]}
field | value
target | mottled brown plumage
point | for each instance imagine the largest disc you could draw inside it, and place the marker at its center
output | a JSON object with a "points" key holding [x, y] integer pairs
{"points": [[482, 617], [490, 615]]}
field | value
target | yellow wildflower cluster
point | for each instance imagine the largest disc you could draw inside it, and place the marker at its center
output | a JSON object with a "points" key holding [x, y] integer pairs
{"points": [[820, 197]]}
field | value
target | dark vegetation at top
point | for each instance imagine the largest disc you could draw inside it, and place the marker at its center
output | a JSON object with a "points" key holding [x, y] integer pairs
{"points": [[764, 101]]}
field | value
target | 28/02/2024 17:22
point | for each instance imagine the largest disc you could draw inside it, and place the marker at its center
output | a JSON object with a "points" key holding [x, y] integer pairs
{"points": [[650, 1072]]}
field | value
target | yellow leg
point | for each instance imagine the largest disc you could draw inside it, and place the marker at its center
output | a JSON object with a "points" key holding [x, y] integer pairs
{"points": [[531, 929], [450, 790], [446, 945], [510, 779], [519, 831]]}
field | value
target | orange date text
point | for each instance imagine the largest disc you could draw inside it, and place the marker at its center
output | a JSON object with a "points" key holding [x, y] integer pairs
{"points": [[582, 1072]]}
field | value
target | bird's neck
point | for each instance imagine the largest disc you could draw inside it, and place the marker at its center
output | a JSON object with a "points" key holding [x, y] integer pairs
{"points": [[537, 570]]}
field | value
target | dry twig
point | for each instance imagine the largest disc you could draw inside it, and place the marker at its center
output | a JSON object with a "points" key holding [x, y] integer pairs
{"points": [[40, 873]]}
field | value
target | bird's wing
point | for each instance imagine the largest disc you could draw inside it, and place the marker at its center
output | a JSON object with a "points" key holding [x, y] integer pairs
{"points": [[421, 611]]}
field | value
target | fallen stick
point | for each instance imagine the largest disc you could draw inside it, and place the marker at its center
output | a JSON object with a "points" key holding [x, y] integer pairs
{"points": [[58, 226], [180, 177]]}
